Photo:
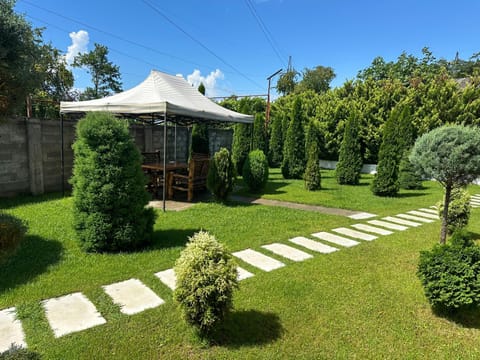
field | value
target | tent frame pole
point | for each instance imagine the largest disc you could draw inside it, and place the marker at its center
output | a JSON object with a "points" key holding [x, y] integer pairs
{"points": [[164, 159], [62, 156]]}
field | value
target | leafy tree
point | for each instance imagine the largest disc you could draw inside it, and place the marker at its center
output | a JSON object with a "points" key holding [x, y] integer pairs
{"points": [[293, 164], [259, 136], [350, 158], [286, 82], [312, 174], [451, 155], [317, 79], [241, 145], [105, 75], [109, 195], [458, 209], [275, 146]]}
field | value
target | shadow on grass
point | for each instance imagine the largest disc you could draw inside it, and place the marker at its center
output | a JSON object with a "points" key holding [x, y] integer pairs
{"points": [[33, 258], [20, 200], [248, 328], [410, 195], [164, 239], [466, 317]]}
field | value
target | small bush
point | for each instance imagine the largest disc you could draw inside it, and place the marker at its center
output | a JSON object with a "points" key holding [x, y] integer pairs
{"points": [[255, 170], [206, 277], [408, 178], [450, 275], [221, 174], [19, 353], [458, 209], [109, 195], [12, 232]]}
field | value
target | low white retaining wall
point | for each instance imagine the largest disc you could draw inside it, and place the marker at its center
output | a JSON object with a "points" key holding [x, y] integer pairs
{"points": [[366, 168]]}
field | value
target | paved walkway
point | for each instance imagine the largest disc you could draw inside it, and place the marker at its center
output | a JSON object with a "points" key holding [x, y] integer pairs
{"points": [[321, 209]]}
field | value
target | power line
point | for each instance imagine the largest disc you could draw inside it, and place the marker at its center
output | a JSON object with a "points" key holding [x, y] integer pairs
{"points": [[266, 32], [158, 11]]}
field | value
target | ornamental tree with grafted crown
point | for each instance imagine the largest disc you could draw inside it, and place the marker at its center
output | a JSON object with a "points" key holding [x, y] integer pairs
{"points": [[451, 155]]}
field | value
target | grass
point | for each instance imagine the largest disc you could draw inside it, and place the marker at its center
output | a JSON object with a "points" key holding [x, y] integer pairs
{"points": [[362, 302]]}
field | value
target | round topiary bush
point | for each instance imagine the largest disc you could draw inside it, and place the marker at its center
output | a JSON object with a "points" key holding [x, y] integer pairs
{"points": [[458, 209], [206, 277], [109, 195], [221, 174], [12, 232], [450, 275], [255, 170]]}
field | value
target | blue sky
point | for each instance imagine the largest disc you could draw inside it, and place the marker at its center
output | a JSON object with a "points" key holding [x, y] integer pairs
{"points": [[221, 43]]}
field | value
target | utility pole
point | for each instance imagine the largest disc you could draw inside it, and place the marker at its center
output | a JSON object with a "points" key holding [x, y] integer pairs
{"points": [[267, 115]]}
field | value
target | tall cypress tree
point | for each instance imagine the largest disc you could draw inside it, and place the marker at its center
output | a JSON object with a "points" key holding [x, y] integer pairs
{"points": [[275, 148], [312, 175], [350, 157], [200, 142], [241, 145], [259, 138], [293, 164]]}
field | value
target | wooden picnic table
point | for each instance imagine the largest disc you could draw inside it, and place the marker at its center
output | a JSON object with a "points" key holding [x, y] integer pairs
{"points": [[157, 172]]}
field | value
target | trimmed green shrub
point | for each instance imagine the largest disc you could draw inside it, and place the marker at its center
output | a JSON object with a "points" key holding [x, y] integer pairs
{"points": [[458, 209], [19, 353], [293, 164], [221, 174], [259, 135], [206, 278], [200, 142], [109, 195], [255, 170], [312, 175], [350, 161], [12, 232], [275, 148], [450, 275], [241, 145], [408, 178]]}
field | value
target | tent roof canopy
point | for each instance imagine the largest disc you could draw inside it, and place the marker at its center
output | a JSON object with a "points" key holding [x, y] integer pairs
{"points": [[161, 95]]}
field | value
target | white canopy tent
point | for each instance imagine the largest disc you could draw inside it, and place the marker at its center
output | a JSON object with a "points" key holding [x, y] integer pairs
{"points": [[160, 98]]}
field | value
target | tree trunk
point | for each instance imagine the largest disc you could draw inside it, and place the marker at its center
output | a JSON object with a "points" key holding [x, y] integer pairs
{"points": [[443, 232]]}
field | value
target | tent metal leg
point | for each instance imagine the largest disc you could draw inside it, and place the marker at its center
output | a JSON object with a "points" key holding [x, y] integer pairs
{"points": [[164, 159]]}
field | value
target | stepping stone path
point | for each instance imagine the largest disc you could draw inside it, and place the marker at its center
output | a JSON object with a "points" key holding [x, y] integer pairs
{"points": [[258, 260], [313, 245], [287, 252], [372, 229], [475, 201], [11, 331], [75, 312], [339, 240], [355, 234], [132, 296], [71, 313]]}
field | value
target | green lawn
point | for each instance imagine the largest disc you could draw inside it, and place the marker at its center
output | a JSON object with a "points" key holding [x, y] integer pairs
{"points": [[360, 302]]}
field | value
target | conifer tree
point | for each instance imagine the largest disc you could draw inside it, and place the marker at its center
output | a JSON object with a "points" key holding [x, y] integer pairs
{"points": [[275, 149], [293, 164], [350, 157], [408, 178], [312, 175], [241, 145], [259, 138]]}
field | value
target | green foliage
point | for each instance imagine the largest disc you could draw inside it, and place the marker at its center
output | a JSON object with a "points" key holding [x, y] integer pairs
{"points": [[255, 170], [19, 353], [206, 278], [12, 232], [105, 75], [109, 187], [286, 82], [293, 163], [458, 209], [312, 174], [450, 275], [201, 88], [408, 177], [241, 145], [350, 157], [396, 135], [275, 148], [200, 141], [317, 79], [259, 135], [221, 174]]}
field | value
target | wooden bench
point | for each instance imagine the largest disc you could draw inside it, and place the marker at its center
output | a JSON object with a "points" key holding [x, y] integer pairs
{"points": [[195, 180]]}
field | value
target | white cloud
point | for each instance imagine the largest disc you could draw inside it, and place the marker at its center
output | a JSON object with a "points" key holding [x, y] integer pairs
{"points": [[80, 40], [209, 81]]}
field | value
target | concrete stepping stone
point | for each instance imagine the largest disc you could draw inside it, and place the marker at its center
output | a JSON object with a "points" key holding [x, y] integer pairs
{"points": [[431, 211], [424, 214], [71, 313], [133, 296], [243, 274], [362, 216], [339, 240], [258, 260], [11, 330], [388, 225], [355, 234], [313, 245], [402, 221], [434, 207], [287, 252], [415, 218], [372, 229], [168, 277]]}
